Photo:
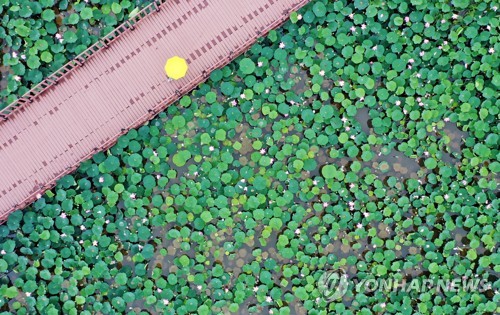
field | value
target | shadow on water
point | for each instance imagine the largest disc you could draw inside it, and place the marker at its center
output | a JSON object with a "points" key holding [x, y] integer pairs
{"points": [[363, 118], [457, 136]]}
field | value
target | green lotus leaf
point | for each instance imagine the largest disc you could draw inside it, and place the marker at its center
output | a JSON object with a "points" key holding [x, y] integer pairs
{"points": [[247, 66]]}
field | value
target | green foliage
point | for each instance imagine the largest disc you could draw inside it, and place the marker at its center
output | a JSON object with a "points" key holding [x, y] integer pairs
{"points": [[366, 140], [247, 66]]}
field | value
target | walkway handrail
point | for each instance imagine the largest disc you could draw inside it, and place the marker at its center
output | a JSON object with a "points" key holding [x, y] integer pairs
{"points": [[80, 60]]}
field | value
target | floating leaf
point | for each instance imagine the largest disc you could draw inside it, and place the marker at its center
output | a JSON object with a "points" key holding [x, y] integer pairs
{"points": [[86, 13], [328, 171], [247, 66]]}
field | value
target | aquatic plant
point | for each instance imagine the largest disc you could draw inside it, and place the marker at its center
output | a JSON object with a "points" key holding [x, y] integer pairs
{"points": [[360, 135]]}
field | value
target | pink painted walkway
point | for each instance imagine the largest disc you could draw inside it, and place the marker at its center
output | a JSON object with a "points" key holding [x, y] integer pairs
{"points": [[107, 91]]}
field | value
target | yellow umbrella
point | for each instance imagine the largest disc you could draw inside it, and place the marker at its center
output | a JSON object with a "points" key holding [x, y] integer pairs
{"points": [[176, 67]]}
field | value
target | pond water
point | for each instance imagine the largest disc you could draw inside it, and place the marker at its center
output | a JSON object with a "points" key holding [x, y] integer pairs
{"points": [[391, 164]]}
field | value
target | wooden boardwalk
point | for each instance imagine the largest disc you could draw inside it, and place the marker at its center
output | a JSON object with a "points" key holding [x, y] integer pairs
{"points": [[118, 84]]}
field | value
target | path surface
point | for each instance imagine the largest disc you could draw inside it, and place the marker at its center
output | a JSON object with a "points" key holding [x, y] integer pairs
{"points": [[123, 86]]}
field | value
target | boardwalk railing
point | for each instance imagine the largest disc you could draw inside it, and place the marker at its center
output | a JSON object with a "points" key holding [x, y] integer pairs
{"points": [[80, 60]]}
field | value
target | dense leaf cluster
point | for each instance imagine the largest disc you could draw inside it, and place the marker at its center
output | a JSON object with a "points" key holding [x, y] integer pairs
{"points": [[361, 135]]}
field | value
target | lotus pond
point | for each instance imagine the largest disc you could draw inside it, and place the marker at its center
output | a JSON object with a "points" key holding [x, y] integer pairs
{"points": [[360, 136]]}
